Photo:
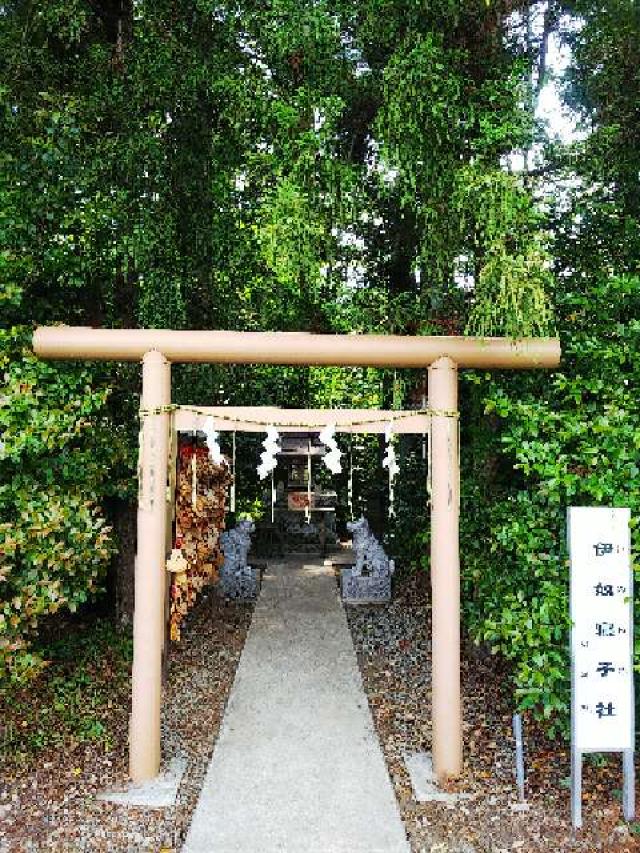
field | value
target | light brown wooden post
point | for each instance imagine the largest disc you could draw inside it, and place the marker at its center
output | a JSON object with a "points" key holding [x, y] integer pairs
{"points": [[168, 503], [445, 570], [171, 514], [148, 616]]}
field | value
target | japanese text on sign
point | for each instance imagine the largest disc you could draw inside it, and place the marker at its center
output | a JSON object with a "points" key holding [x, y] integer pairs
{"points": [[601, 636]]}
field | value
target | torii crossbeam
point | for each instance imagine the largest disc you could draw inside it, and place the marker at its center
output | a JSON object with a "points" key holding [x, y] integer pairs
{"points": [[158, 348]]}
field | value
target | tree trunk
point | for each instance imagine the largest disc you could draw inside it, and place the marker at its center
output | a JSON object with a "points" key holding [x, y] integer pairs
{"points": [[122, 515]]}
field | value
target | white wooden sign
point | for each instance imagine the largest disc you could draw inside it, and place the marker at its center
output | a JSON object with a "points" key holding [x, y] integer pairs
{"points": [[602, 701]]}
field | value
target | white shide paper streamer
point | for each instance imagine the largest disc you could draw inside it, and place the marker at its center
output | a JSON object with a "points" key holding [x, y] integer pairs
{"points": [[332, 458], [391, 463], [268, 461]]}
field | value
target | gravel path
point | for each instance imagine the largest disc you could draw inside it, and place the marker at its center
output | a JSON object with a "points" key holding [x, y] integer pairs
{"points": [[392, 645], [54, 806], [298, 767]]}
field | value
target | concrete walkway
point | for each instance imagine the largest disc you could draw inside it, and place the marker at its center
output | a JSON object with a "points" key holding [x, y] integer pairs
{"points": [[297, 767]]}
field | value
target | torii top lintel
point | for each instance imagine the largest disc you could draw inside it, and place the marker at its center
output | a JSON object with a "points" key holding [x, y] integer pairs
{"points": [[293, 348]]}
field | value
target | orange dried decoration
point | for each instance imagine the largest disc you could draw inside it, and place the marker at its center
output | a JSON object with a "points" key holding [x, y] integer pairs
{"points": [[198, 527]]}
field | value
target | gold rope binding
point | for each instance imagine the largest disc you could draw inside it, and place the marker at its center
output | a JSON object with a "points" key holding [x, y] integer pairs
{"points": [[173, 407]]}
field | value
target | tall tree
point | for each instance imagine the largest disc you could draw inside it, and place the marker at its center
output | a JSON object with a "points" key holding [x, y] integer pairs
{"points": [[327, 166]]}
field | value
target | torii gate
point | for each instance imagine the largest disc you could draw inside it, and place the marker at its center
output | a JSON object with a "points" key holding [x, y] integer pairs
{"points": [[157, 349]]}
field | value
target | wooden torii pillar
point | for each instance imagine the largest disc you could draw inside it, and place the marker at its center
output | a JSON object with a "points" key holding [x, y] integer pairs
{"points": [[158, 348]]}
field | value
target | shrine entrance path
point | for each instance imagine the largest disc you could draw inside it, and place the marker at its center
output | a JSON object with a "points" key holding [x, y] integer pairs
{"points": [[297, 767]]}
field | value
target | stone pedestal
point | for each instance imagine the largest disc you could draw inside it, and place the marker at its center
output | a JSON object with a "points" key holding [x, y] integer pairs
{"points": [[243, 585], [364, 589]]}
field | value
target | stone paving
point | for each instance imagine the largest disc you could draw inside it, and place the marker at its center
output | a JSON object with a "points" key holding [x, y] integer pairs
{"points": [[297, 766]]}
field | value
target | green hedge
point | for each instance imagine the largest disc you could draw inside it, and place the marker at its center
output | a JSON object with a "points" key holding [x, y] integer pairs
{"points": [[550, 441], [55, 545]]}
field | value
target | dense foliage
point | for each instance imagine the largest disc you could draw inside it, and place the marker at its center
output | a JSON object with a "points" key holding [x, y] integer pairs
{"points": [[328, 166], [54, 541], [572, 438]]}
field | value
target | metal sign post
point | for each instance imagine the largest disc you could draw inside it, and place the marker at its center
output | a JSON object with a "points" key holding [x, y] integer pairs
{"points": [[602, 694]]}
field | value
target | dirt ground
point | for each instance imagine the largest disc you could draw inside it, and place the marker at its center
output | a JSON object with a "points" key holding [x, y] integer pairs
{"points": [[50, 803]]}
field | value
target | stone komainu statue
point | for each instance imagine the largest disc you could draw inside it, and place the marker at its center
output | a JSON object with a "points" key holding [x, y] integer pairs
{"points": [[370, 578], [237, 578]]}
